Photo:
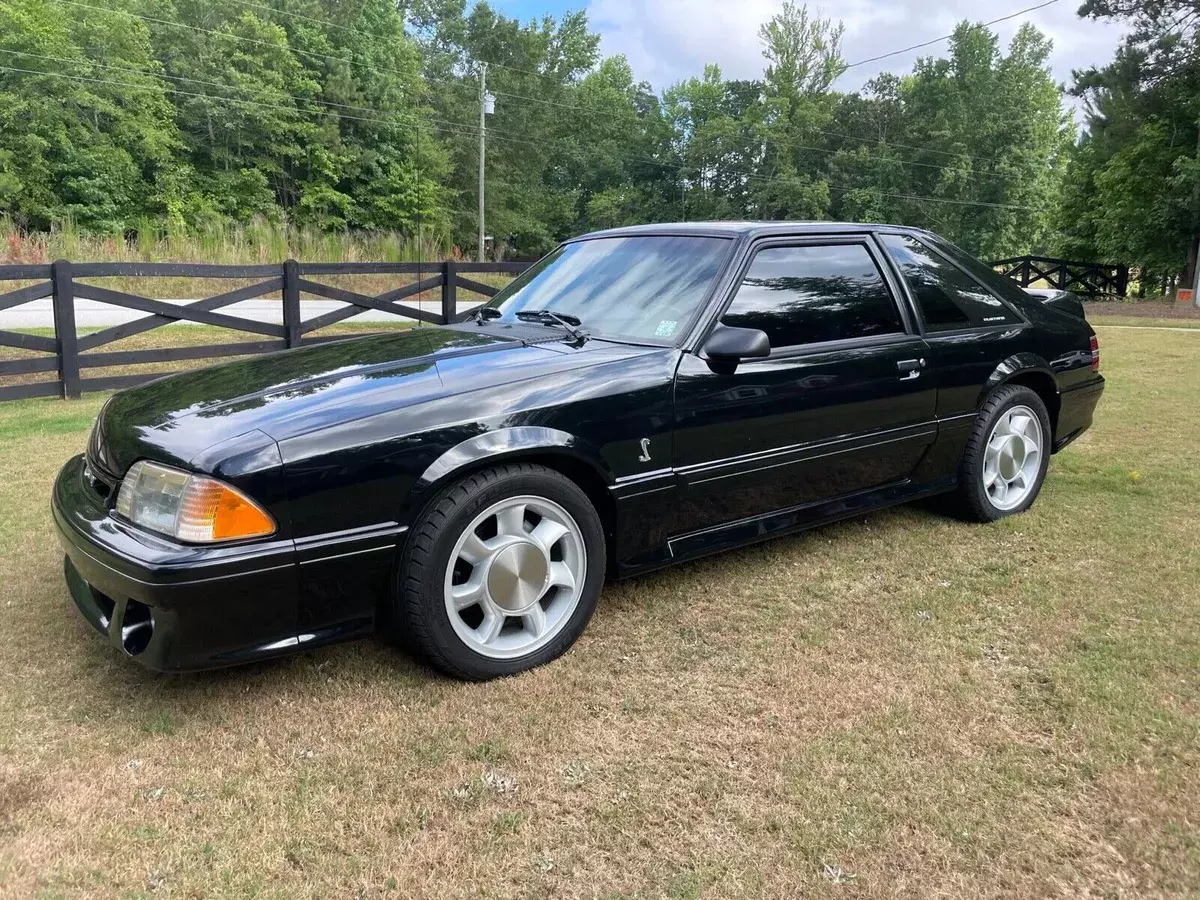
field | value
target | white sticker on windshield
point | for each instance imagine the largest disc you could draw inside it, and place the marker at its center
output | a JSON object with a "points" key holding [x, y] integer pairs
{"points": [[666, 328]]}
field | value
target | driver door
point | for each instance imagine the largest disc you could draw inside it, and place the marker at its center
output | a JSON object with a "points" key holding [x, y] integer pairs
{"points": [[844, 403]]}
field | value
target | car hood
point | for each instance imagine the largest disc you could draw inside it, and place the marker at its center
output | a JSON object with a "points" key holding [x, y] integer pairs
{"points": [[175, 419]]}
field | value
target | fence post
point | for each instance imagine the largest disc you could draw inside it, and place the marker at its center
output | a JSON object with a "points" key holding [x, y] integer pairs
{"points": [[1122, 280], [449, 292], [291, 303], [66, 339]]}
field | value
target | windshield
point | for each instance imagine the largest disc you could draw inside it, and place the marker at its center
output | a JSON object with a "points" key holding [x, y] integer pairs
{"points": [[638, 288]]}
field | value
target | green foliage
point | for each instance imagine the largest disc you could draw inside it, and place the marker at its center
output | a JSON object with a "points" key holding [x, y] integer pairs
{"points": [[1133, 186], [79, 148], [337, 116], [980, 134]]}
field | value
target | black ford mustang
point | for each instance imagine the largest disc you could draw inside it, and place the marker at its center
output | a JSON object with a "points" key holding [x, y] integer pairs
{"points": [[639, 397]]}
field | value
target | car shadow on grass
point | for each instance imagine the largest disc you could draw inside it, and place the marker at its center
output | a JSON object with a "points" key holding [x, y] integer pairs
{"points": [[170, 703]]}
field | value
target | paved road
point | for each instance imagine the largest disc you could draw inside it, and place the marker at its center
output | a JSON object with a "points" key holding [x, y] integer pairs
{"points": [[92, 314], [1096, 324]]}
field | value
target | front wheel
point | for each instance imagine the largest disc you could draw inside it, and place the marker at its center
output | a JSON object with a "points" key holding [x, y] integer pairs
{"points": [[501, 573], [1006, 457]]}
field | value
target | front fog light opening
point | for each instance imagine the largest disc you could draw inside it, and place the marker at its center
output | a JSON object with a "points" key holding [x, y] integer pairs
{"points": [[137, 627]]}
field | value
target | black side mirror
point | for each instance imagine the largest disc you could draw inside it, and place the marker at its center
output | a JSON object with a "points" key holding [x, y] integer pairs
{"points": [[727, 346]]}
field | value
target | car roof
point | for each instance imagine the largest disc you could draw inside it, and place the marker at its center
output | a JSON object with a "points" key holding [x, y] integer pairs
{"points": [[745, 229]]}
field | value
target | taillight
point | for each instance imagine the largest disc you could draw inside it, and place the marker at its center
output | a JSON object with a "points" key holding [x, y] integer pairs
{"points": [[1095, 353]]}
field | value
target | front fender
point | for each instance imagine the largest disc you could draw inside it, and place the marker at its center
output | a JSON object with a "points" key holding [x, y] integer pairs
{"points": [[504, 444]]}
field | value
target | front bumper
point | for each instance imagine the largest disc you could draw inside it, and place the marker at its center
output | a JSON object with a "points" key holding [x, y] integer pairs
{"points": [[168, 606]]}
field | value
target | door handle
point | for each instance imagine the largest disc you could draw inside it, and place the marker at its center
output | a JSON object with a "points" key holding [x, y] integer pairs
{"points": [[911, 368]]}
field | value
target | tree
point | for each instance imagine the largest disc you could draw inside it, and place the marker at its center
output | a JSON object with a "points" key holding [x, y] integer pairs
{"points": [[1142, 155], [971, 145], [102, 154]]}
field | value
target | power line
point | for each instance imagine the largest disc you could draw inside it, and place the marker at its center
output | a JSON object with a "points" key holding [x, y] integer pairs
{"points": [[181, 78], [773, 179], [233, 37], [797, 146], [238, 100], [465, 129], [295, 15], [350, 28], [946, 37], [350, 61]]}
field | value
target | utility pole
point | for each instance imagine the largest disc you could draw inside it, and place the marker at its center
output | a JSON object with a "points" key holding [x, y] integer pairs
{"points": [[1196, 218], [1196, 283], [487, 106]]}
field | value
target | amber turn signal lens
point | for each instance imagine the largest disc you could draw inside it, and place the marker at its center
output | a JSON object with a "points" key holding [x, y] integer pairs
{"points": [[211, 511], [187, 507]]}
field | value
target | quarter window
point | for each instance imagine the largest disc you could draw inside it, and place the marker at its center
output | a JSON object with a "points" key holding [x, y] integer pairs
{"points": [[813, 294], [949, 298]]}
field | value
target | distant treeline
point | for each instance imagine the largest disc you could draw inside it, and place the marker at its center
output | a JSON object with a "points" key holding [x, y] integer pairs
{"points": [[145, 119]]}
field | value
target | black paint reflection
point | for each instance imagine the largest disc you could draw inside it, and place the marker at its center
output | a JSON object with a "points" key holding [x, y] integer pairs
{"points": [[807, 295], [949, 298], [644, 288]]}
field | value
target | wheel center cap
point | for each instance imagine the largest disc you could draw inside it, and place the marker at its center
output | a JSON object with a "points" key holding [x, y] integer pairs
{"points": [[517, 576], [1012, 458]]}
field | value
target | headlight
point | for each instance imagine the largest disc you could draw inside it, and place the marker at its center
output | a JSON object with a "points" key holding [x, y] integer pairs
{"points": [[189, 507]]}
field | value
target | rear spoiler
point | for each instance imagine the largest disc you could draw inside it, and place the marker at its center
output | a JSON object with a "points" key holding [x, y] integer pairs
{"points": [[1063, 301]]}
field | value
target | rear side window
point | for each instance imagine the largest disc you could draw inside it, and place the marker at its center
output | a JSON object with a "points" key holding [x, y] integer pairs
{"points": [[949, 298], [813, 294]]}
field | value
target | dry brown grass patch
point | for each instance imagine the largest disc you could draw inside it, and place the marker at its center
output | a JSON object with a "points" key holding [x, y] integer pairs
{"points": [[898, 705]]}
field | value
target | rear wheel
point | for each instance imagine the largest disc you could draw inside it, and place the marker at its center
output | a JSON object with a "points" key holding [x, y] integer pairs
{"points": [[501, 573], [1005, 460]]}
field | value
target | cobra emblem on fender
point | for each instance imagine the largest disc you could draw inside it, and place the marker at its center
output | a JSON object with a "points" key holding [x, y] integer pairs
{"points": [[645, 457]]}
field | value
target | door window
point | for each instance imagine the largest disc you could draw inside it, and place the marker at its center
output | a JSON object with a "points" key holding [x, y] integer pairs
{"points": [[949, 298], [814, 293]]}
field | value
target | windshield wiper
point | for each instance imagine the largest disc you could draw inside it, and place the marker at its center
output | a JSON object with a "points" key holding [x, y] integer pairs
{"points": [[550, 317], [484, 313]]}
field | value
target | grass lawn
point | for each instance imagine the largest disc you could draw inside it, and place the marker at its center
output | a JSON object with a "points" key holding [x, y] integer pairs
{"points": [[897, 705]]}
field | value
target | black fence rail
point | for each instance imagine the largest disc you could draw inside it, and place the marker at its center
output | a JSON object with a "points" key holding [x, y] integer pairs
{"points": [[69, 353], [1088, 278]]}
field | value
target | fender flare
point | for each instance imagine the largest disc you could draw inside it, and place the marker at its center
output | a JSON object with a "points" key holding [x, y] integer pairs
{"points": [[1015, 365], [506, 444]]}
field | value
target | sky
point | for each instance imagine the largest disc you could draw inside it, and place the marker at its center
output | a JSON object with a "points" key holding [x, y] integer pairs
{"points": [[667, 40]]}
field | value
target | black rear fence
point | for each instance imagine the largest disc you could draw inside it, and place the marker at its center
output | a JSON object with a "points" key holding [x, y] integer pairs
{"points": [[1088, 278], [70, 354]]}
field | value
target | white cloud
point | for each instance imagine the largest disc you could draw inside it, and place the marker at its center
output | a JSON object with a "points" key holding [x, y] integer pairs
{"points": [[666, 40]]}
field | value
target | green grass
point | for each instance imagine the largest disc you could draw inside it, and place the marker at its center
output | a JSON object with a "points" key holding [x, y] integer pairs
{"points": [[256, 243], [900, 704]]}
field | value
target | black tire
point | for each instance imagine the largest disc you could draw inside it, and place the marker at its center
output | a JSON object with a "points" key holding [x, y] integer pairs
{"points": [[972, 500], [418, 619]]}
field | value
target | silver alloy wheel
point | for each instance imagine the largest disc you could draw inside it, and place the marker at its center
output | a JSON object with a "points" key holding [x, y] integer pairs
{"points": [[1012, 458], [515, 577]]}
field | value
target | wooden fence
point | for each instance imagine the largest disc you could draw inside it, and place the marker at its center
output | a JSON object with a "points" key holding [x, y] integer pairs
{"points": [[1088, 278], [69, 354]]}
